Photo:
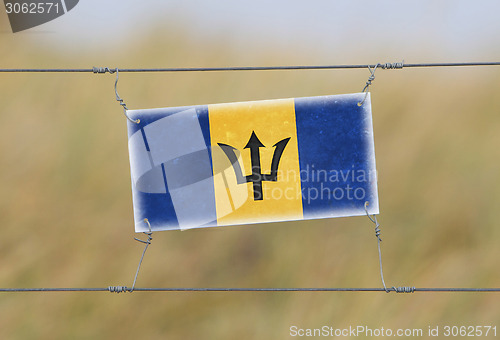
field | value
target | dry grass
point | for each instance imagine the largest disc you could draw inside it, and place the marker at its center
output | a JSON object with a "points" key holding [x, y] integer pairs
{"points": [[66, 217]]}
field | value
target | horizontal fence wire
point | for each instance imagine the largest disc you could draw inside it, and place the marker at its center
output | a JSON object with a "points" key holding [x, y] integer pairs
{"points": [[248, 68], [120, 289]]}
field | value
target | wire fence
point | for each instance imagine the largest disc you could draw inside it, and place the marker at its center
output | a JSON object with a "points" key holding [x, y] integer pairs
{"points": [[397, 65], [371, 67], [123, 289]]}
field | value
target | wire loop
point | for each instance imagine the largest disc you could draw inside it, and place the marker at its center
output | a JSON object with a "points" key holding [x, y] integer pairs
{"points": [[102, 70], [377, 234], [118, 99], [122, 289], [385, 66], [147, 242]]}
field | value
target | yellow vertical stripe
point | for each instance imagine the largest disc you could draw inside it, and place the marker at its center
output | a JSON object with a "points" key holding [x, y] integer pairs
{"points": [[233, 124]]}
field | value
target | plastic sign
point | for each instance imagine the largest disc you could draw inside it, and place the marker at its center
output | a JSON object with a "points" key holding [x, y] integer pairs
{"points": [[252, 162]]}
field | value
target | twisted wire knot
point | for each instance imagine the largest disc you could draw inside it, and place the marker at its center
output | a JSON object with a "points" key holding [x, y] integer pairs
{"points": [[117, 289], [385, 66], [370, 79], [392, 66], [103, 70], [148, 233], [378, 232], [403, 289], [368, 83], [374, 220]]}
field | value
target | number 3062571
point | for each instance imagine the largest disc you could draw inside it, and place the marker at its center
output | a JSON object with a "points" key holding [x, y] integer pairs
{"points": [[461, 331], [31, 8]]}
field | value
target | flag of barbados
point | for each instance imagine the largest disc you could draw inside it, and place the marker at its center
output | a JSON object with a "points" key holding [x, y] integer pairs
{"points": [[252, 162]]}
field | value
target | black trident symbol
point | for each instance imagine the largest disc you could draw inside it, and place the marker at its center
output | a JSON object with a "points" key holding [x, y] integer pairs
{"points": [[257, 177]]}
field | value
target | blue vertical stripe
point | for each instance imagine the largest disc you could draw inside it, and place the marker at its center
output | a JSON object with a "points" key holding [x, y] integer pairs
{"points": [[335, 146]]}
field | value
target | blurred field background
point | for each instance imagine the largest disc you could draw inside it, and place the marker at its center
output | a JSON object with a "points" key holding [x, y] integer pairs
{"points": [[66, 207]]}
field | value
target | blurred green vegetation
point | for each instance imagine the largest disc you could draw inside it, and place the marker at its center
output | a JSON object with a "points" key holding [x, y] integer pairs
{"points": [[66, 208]]}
